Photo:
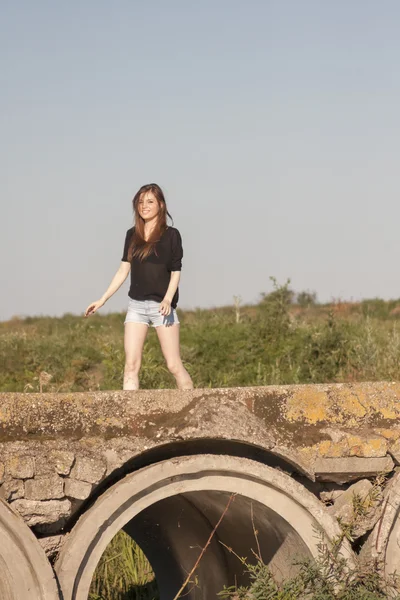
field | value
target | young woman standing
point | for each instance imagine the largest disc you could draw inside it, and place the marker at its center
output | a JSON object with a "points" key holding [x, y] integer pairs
{"points": [[153, 254]]}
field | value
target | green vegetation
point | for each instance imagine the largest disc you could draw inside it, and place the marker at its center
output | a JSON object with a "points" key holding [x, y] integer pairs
{"points": [[123, 573], [325, 579], [286, 338], [329, 576]]}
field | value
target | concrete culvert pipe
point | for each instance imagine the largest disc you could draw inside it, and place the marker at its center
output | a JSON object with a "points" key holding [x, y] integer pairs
{"points": [[25, 572], [383, 545], [170, 509]]}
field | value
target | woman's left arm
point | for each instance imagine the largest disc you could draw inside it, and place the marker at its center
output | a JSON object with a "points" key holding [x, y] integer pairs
{"points": [[165, 306]]}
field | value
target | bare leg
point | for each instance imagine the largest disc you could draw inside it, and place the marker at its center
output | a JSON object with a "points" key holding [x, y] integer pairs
{"points": [[168, 337], [135, 335]]}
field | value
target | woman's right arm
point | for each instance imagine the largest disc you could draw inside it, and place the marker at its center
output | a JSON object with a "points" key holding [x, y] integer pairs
{"points": [[118, 279]]}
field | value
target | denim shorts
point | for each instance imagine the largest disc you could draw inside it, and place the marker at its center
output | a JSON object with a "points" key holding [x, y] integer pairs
{"points": [[147, 312]]}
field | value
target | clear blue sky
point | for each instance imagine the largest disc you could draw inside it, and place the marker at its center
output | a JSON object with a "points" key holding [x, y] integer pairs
{"points": [[272, 125]]}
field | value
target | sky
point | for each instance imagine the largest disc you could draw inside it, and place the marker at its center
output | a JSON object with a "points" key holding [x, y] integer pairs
{"points": [[273, 127]]}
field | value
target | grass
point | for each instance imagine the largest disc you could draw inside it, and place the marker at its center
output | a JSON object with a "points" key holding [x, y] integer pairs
{"points": [[123, 573], [278, 341]]}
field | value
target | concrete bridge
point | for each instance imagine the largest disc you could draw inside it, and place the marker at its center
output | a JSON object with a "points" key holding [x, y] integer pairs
{"points": [[162, 465]]}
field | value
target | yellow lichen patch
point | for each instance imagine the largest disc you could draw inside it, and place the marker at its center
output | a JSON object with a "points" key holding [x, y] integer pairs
{"points": [[329, 449], [309, 404], [386, 400], [352, 445], [323, 447], [326, 449], [389, 434], [335, 450], [350, 403], [373, 447], [388, 413], [343, 404]]}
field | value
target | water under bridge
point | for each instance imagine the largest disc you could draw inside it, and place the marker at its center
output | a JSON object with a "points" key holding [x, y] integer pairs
{"points": [[76, 468]]}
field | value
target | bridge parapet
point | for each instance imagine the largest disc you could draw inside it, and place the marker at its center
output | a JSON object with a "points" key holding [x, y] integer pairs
{"points": [[307, 424], [59, 452]]}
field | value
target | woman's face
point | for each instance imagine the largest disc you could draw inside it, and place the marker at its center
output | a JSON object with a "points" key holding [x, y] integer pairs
{"points": [[148, 206]]}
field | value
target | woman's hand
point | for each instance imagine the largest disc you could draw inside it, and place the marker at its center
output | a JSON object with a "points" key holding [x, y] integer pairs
{"points": [[91, 309], [165, 307]]}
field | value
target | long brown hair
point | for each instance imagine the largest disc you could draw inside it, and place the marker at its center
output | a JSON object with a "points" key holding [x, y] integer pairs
{"points": [[139, 247]]}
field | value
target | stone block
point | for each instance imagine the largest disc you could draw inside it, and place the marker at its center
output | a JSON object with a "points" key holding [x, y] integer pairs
{"points": [[51, 545], [367, 446], [342, 470], [86, 469], [394, 451], [20, 467], [77, 489], [114, 461], [57, 461], [343, 508], [63, 461], [48, 487], [12, 490], [363, 446], [43, 465], [2, 469], [36, 512], [334, 449]]}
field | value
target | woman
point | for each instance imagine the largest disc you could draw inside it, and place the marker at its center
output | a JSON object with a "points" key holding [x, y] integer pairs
{"points": [[153, 254]]}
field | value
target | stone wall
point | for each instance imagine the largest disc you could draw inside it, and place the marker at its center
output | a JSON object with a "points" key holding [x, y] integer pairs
{"points": [[58, 451]]}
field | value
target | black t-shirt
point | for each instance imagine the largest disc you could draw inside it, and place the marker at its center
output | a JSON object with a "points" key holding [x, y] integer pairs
{"points": [[150, 277]]}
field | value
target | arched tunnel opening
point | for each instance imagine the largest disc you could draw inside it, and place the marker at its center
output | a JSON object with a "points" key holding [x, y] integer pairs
{"points": [[171, 508], [173, 532]]}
